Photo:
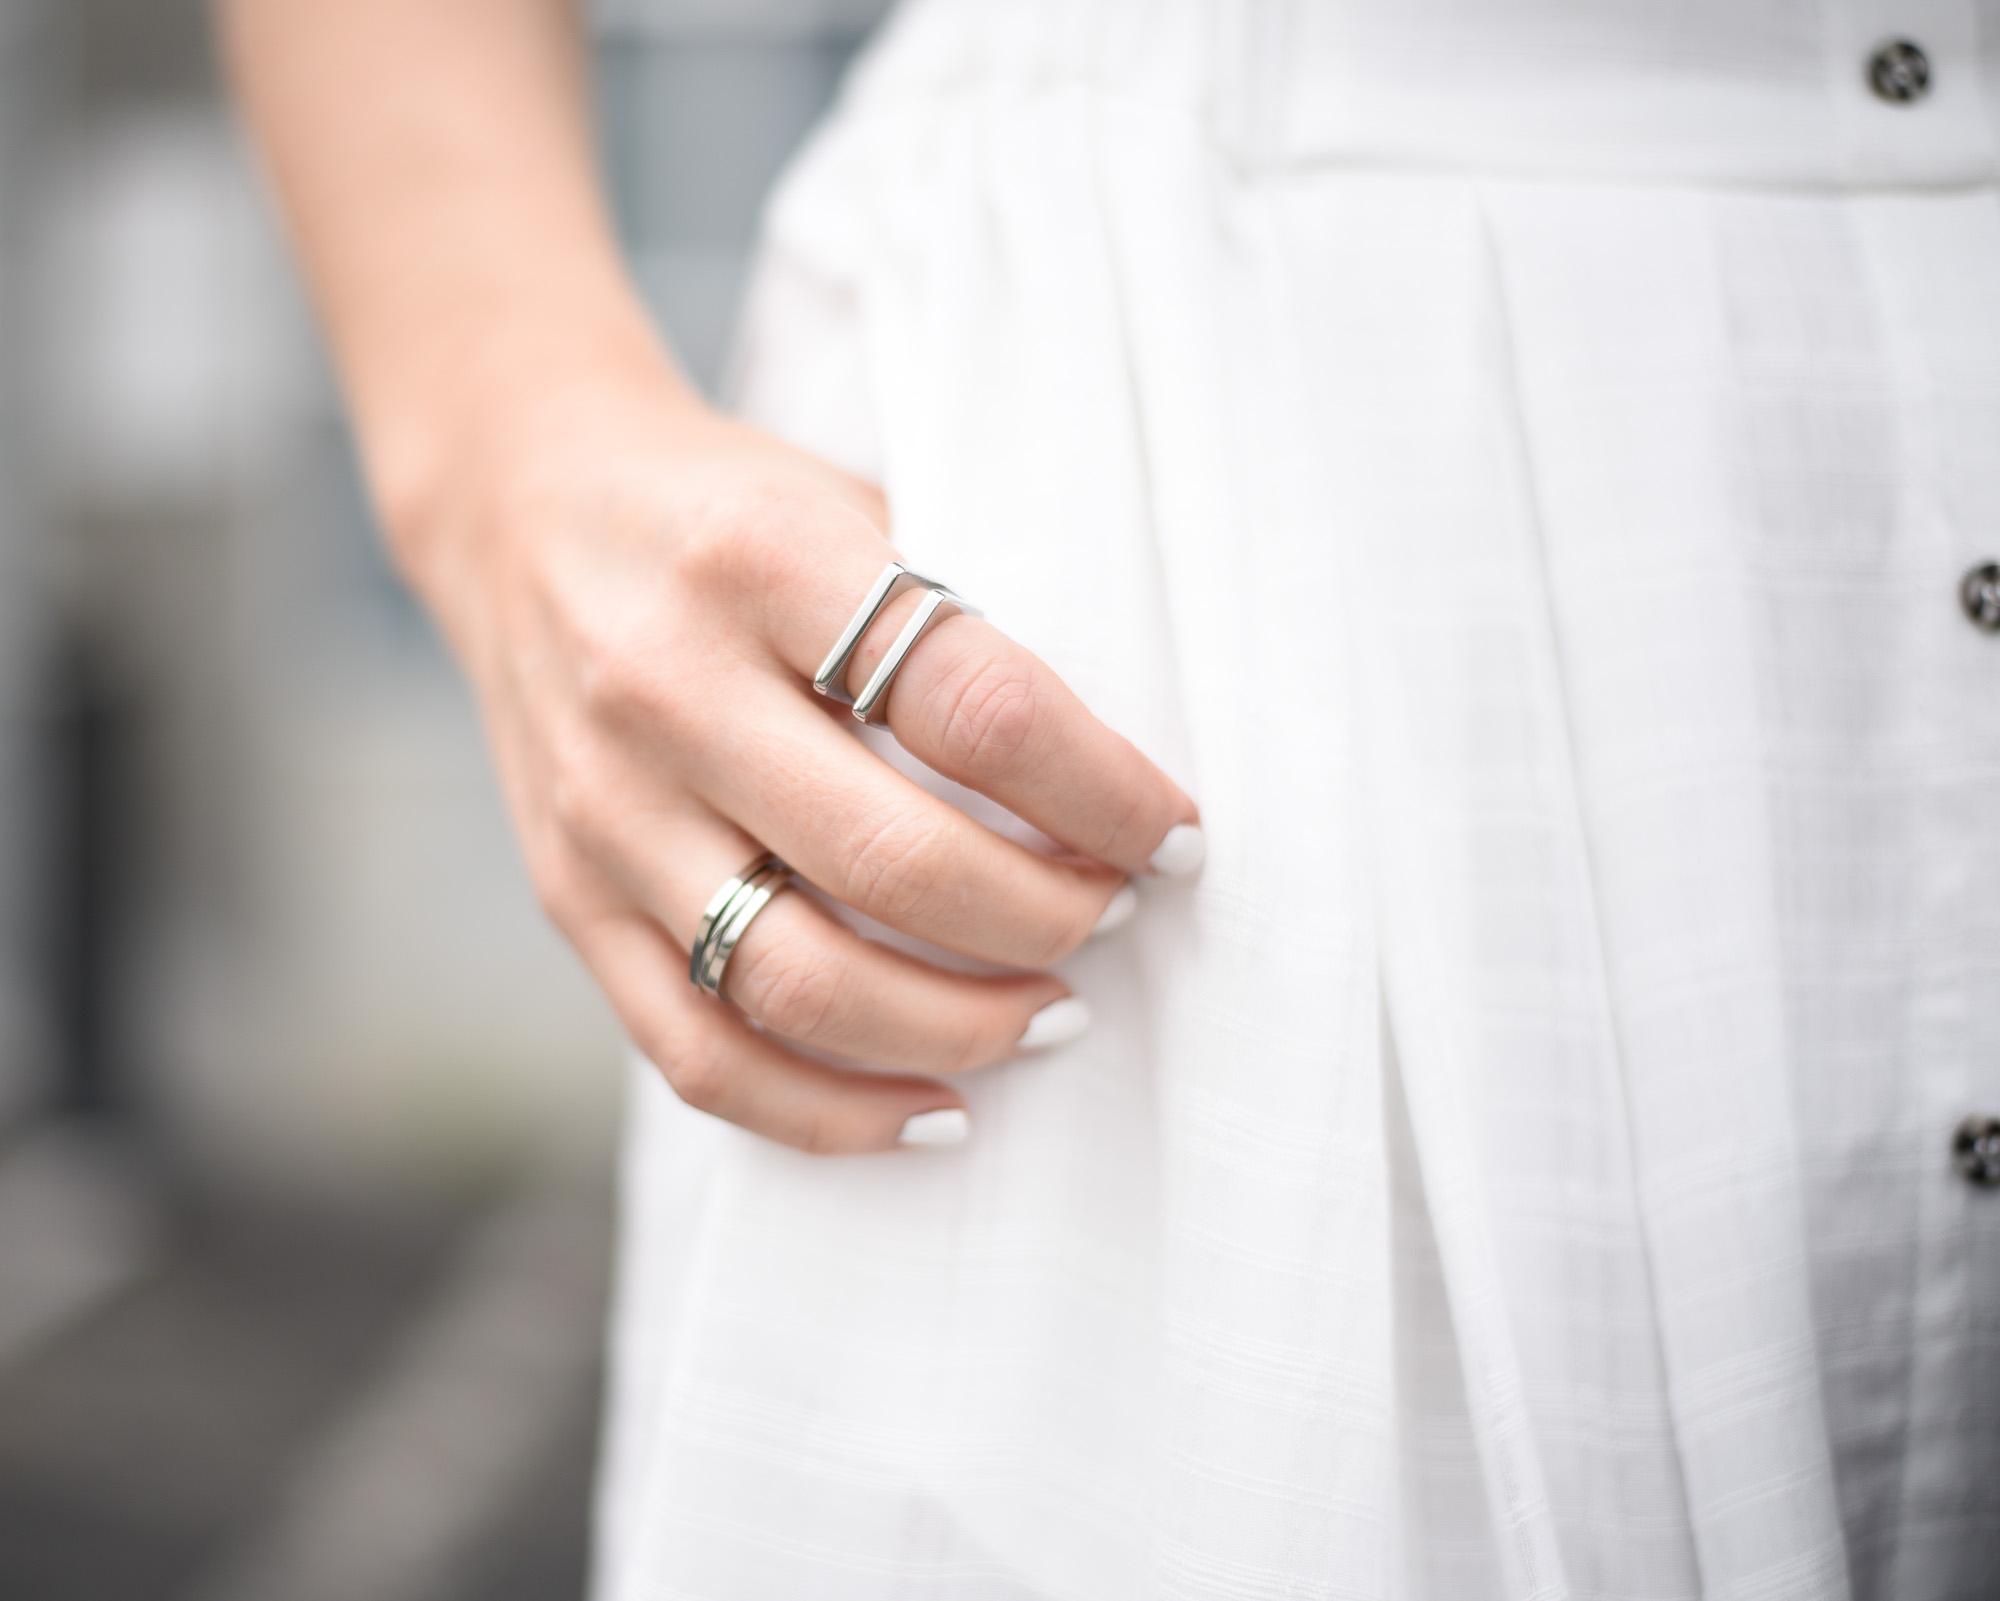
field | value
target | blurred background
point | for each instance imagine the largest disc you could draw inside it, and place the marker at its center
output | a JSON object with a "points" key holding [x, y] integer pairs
{"points": [[306, 1118]]}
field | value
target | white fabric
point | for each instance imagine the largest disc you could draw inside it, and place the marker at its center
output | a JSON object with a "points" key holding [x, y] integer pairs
{"points": [[1532, 531]]}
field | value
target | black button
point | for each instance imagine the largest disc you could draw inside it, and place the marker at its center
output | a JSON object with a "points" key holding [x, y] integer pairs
{"points": [[1979, 594], [1975, 1150], [1899, 72]]}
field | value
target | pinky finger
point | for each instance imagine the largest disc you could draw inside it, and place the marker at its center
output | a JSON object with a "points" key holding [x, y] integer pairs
{"points": [[718, 1063]]}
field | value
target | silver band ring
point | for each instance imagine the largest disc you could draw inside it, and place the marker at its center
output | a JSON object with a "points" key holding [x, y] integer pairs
{"points": [[729, 914], [941, 602]]}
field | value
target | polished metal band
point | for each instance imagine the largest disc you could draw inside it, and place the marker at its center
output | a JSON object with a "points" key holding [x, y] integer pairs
{"points": [[940, 603], [728, 915]]}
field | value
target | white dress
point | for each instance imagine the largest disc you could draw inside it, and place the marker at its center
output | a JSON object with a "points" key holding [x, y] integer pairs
{"points": [[1515, 463]]}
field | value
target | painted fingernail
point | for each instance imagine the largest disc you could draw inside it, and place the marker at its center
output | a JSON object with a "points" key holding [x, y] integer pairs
{"points": [[1055, 1024], [1117, 911], [1182, 852], [948, 1125]]}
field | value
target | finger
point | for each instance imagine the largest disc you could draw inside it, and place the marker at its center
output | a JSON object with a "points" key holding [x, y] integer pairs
{"points": [[871, 838], [801, 973], [978, 708], [716, 1062], [985, 712], [805, 976]]}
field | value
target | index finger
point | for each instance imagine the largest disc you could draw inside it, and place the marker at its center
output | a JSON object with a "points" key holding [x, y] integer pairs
{"points": [[985, 712]]}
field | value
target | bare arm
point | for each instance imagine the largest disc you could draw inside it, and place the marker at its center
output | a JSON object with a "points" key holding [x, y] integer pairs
{"points": [[433, 161], [640, 590]]}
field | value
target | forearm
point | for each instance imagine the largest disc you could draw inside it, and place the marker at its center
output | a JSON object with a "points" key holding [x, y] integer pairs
{"points": [[434, 162]]}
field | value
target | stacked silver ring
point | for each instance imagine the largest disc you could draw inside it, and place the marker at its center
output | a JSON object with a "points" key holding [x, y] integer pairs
{"points": [[941, 602], [731, 912]]}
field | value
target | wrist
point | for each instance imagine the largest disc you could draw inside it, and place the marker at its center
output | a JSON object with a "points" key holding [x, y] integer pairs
{"points": [[489, 420]]}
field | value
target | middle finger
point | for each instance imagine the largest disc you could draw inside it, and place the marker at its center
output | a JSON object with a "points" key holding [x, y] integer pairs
{"points": [[816, 982], [802, 974], [871, 838]]}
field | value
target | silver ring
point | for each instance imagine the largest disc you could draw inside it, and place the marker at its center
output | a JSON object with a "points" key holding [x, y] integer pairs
{"points": [[941, 602], [728, 915]]}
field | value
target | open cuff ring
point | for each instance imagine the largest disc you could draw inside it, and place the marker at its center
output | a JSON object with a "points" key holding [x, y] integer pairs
{"points": [[729, 914], [940, 603]]}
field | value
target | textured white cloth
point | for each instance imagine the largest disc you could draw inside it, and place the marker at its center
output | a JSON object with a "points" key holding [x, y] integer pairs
{"points": [[1513, 463]]}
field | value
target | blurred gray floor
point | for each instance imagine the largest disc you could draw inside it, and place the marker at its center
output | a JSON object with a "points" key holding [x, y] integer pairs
{"points": [[294, 1401]]}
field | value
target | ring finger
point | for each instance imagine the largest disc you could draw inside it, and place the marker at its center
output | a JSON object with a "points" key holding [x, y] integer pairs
{"points": [[802, 974], [717, 1063]]}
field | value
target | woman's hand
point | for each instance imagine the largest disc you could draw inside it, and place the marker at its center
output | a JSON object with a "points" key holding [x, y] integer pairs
{"points": [[641, 592], [642, 608]]}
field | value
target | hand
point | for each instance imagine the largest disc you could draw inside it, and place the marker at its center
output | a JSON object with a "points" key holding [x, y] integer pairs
{"points": [[640, 592], [642, 609]]}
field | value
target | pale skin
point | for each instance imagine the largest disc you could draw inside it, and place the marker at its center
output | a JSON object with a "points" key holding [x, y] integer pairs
{"points": [[641, 588]]}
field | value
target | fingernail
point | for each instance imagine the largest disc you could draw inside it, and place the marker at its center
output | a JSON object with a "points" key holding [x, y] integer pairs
{"points": [[1182, 852], [1055, 1024], [1117, 911], [948, 1125]]}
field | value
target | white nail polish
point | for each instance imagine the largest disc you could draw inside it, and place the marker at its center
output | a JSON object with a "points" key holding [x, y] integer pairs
{"points": [[1055, 1024], [948, 1125], [1182, 852], [1117, 911]]}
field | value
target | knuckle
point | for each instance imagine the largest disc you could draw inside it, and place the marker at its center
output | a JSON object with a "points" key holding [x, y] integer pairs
{"points": [[745, 537], [984, 717], [966, 1052], [603, 680], [580, 803], [557, 879], [695, 1071], [871, 500], [1133, 820], [628, 682], [1060, 943], [819, 1133], [898, 869], [796, 986], [712, 550], [1059, 931]]}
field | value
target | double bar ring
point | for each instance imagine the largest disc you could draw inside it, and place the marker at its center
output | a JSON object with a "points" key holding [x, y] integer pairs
{"points": [[728, 915], [939, 603]]}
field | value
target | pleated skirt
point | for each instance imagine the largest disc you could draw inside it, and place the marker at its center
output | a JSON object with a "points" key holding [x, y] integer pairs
{"points": [[1519, 470]]}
